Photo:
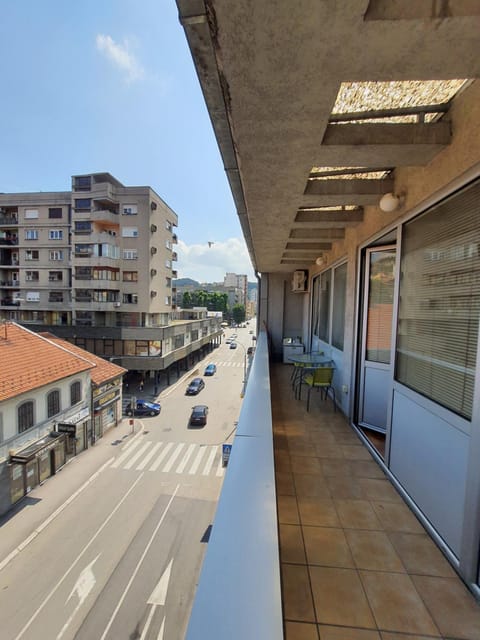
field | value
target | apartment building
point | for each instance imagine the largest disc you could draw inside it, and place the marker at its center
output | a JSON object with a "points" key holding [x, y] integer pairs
{"points": [[95, 265]]}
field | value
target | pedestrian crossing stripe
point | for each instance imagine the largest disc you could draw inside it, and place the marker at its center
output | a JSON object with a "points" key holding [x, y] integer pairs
{"points": [[172, 457]]}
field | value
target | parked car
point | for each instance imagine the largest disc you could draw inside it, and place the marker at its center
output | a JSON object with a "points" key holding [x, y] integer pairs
{"points": [[233, 345], [250, 351], [210, 369], [198, 417], [195, 386], [143, 408], [228, 340]]}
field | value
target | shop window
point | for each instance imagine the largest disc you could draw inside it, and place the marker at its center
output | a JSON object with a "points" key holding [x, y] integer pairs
{"points": [[25, 416], [75, 393], [439, 307], [53, 403]]}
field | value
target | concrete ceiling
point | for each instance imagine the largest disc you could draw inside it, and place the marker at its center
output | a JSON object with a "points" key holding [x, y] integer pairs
{"points": [[270, 74]]}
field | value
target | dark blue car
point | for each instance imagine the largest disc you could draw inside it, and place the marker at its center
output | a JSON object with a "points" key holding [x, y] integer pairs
{"points": [[210, 370], [143, 408]]}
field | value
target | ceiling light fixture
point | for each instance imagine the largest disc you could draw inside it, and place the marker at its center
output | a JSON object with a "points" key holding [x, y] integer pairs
{"points": [[321, 261], [390, 202]]}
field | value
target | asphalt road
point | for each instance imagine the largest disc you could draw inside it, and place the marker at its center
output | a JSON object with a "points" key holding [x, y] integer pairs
{"points": [[122, 559]]}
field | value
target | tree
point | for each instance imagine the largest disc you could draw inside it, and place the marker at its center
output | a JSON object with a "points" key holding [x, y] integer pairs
{"points": [[238, 313]]}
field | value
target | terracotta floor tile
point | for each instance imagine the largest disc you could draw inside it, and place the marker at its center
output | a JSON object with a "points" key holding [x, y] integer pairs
{"points": [[379, 489], [357, 514], [291, 544], [287, 510], [396, 604], [318, 512], [420, 555], [335, 467], [397, 517], [355, 452], [373, 550], [297, 595], [300, 631], [366, 469], [305, 464], [339, 598], [346, 633], [327, 546], [386, 635], [282, 461], [322, 437], [284, 483], [451, 605], [330, 450], [344, 487], [302, 448], [310, 485]]}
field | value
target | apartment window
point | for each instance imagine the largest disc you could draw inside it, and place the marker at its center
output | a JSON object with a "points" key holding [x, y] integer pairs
{"points": [[83, 273], [168, 282], [82, 183], [55, 276], [31, 254], [25, 417], [30, 214], [178, 341], [130, 276], [106, 250], [55, 255], [54, 212], [168, 264], [55, 234], [83, 204], [130, 254], [83, 226], [32, 276], [130, 298], [129, 209], [338, 305], [105, 274], [168, 225], [53, 403], [83, 295], [32, 296], [75, 393], [168, 300], [83, 249], [31, 234], [130, 232], [168, 244], [439, 305], [55, 296], [323, 324]]}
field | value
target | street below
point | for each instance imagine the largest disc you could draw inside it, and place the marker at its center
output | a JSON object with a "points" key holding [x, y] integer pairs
{"points": [[121, 557]]}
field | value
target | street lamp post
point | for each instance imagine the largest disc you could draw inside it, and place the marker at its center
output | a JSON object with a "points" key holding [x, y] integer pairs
{"points": [[244, 367]]}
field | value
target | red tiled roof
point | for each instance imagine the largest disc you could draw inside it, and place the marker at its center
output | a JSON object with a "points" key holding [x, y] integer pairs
{"points": [[104, 370], [29, 361]]}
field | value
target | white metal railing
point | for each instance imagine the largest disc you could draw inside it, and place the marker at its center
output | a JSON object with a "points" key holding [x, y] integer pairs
{"points": [[239, 594]]}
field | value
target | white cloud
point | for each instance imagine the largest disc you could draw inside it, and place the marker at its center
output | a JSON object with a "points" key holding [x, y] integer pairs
{"points": [[210, 264], [120, 56]]}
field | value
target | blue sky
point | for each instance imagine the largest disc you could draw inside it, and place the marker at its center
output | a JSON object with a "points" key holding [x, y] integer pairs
{"points": [[109, 85]]}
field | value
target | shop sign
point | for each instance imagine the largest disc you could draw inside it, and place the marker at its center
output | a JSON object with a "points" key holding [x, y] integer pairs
{"points": [[66, 427]]}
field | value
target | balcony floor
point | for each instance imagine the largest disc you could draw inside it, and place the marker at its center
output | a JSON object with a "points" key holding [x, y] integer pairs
{"points": [[356, 563]]}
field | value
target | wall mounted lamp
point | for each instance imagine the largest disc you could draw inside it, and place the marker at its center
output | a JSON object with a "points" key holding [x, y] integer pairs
{"points": [[321, 261], [390, 202]]}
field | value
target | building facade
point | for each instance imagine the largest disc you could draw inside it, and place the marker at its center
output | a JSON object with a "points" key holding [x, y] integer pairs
{"points": [[96, 265]]}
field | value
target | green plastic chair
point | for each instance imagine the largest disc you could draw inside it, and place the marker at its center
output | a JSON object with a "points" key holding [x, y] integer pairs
{"points": [[321, 378]]}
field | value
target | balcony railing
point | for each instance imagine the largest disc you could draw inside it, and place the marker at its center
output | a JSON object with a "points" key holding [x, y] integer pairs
{"points": [[239, 594]]}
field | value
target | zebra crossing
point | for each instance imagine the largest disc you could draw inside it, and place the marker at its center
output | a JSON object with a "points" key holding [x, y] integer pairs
{"points": [[172, 457]]}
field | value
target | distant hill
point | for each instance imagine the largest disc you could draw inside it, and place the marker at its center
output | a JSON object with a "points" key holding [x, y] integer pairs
{"points": [[186, 282]]}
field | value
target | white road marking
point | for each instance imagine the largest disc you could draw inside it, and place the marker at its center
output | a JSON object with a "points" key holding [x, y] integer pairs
{"points": [[125, 455], [210, 459], [137, 568], [149, 456], [173, 457], [186, 458], [79, 557], [135, 457], [220, 468], [196, 462], [85, 583], [158, 461], [159, 594]]}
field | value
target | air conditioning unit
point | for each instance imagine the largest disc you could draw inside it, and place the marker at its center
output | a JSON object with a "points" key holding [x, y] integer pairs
{"points": [[153, 294], [153, 206], [153, 250], [117, 304], [300, 281], [153, 272], [153, 228]]}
